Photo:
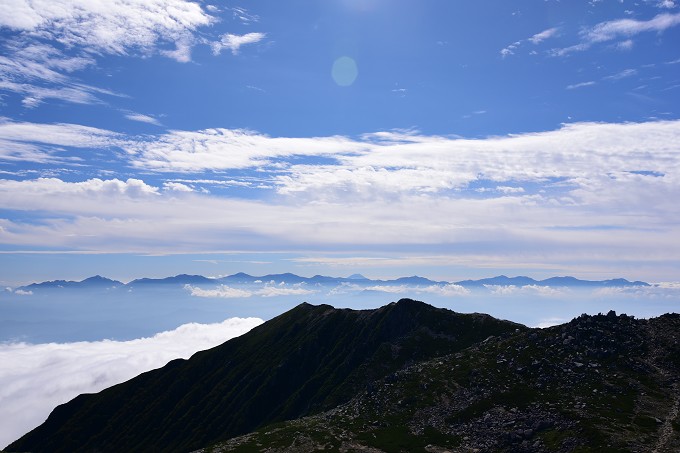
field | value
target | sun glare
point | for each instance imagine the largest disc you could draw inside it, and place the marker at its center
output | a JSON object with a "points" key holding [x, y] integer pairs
{"points": [[344, 71]]}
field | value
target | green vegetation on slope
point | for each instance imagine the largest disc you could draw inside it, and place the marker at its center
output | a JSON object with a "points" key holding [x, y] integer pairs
{"points": [[305, 361]]}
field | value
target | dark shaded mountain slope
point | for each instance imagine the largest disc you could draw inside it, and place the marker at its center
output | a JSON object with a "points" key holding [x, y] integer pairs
{"points": [[602, 383], [307, 360]]}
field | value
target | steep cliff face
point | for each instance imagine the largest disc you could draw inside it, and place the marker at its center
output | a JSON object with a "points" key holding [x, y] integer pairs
{"points": [[305, 361], [601, 383]]}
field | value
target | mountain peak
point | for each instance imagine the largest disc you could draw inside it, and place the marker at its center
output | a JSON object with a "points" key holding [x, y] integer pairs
{"points": [[98, 279], [598, 383], [307, 360]]}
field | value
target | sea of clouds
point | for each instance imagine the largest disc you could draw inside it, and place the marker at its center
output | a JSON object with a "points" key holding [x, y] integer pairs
{"points": [[35, 378]]}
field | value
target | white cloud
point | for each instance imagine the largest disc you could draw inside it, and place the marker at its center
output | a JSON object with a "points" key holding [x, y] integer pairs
{"points": [[46, 41], [545, 290], [244, 16], [92, 188], [268, 290], [353, 262], [506, 290], [507, 51], [38, 62], [177, 187], [235, 42], [35, 95], [622, 74], [549, 322], [182, 51], [510, 190], [502, 189], [57, 134], [216, 182], [22, 292], [535, 39], [274, 291], [220, 149], [668, 285], [542, 36], [36, 378], [113, 27], [620, 28], [392, 289], [502, 290], [143, 118], [438, 164], [625, 45], [614, 77], [666, 290], [580, 152], [607, 31], [591, 191], [581, 85], [447, 290], [222, 291], [42, 142]]}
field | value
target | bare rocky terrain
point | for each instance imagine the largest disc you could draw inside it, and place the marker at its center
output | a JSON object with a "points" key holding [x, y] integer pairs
{"points": [[405, 377], [598, 383]]}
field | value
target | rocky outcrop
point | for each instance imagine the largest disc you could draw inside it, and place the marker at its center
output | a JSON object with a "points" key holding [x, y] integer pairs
{"points": [[597, 383]]}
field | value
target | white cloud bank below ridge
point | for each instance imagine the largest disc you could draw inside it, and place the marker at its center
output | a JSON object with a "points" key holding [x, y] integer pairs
{"points": [[446, 290], [268, 290], [34, 379]]}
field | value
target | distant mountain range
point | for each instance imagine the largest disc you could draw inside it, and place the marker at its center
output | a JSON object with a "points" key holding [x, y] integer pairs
{"points": [[92, 282], [404, 377], [356, 279]]}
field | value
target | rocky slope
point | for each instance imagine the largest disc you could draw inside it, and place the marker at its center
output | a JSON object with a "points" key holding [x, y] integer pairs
{"points": [[602, 383], [310, 359]]}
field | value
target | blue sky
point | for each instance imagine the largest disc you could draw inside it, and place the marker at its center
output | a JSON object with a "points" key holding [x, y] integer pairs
{"points": [[446, 139]]}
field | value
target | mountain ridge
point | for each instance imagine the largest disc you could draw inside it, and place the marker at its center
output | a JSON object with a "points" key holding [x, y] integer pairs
{"points": [[306, 360], [355, 279], [399, 378], [602, 383], [91, 282]]}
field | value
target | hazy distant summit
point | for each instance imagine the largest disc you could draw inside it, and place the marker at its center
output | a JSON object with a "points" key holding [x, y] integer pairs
{"points": [[96, 281], [502, 280]]}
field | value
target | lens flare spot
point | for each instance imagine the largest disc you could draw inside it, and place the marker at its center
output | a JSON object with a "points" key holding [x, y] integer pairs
{"points": [[344, 71]]}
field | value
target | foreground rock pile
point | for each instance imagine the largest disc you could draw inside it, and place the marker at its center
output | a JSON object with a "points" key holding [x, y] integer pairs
{"points": [[597, 383]]}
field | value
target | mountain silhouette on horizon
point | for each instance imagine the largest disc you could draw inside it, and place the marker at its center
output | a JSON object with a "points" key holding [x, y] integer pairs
{"points": [[355, 279]]}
